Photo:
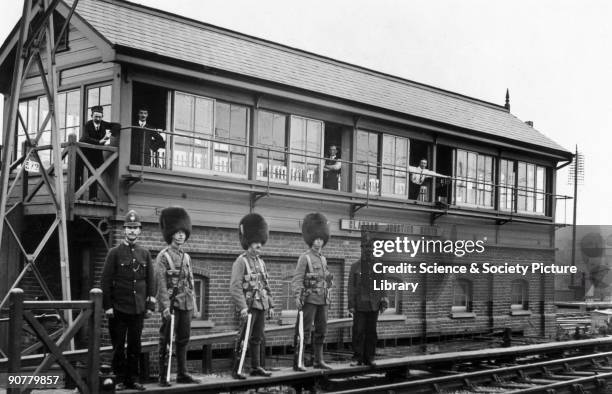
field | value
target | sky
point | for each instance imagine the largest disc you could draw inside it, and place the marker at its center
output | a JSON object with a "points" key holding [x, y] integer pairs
{"points": [[553, 55]]}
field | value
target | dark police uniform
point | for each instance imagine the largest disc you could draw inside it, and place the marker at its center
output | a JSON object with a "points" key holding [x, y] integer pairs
{"points": [[128, 285], [366, 304]]}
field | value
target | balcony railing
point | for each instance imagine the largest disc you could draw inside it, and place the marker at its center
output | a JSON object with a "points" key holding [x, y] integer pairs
{"points": [[275, 166], [90, 175]]}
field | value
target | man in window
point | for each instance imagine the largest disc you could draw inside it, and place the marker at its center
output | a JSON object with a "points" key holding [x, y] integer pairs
{"points": [[146, 141], [175, 293], [365, 303], [312, 283], [250, 292], [331, 170], [128, 285], [96, 132], [420, 180]]}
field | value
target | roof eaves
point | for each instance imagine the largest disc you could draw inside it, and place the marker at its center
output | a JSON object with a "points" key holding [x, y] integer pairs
{"points": [[103, 43]]}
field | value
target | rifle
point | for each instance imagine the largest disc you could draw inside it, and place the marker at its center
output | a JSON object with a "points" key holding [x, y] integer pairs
{"points": [[301, 338], [170, 345], [241, 345]]}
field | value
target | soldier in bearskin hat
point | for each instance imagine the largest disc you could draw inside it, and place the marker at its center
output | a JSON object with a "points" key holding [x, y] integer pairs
{"points": [[312, 283], [175, 293], [250, 293], [128, 285]]}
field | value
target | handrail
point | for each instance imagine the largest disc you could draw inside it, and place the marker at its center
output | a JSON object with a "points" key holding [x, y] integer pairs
{"points": [[265, 152]]}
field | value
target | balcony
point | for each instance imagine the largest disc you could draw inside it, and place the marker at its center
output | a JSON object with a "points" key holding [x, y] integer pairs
{"points": [[263, 171], [89, 173]]}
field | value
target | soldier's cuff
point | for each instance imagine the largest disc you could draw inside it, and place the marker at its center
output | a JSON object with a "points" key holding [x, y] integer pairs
{"points": [[151, 299]]}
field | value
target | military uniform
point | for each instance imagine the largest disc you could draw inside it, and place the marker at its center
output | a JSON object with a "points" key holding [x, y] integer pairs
{"points": [[128, 285], [312, 283], [366, 303], [250, 291], [175, 292]]}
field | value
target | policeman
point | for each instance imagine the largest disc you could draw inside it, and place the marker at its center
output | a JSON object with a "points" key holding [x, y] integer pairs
{"points": [[128, 285], [250, 292], [365, 303], [312, 283], [175, 292]]}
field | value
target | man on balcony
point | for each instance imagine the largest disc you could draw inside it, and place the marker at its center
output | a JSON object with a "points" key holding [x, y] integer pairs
{"points": [[420, 180], [96, 132], [331, 170], [146, 141]]}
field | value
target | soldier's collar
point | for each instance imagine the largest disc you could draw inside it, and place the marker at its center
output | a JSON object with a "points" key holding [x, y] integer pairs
{"points": [[318, 253], [128, 243], [251, 255]]}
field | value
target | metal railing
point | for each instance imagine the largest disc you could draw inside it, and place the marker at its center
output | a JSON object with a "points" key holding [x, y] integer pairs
{"points": [[274, 165]]}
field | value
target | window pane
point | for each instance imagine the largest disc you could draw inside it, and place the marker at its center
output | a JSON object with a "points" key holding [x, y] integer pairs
{"points": [[366, 162], [73, 112], [105, 95], [183, 112], [540, 188], [222, 122], [204, 117], [271, 164], [305, 145]]}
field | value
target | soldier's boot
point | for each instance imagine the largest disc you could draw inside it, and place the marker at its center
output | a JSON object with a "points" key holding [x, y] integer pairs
{"points": [[318, 354], [163, 369], [181, 361], [308, 355], [235, 363], [256, 368]]}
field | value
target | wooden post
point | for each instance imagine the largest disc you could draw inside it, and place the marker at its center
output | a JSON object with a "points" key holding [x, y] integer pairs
{"points": [[206, 358], [72, 167], [15, 333], [95, 295]]}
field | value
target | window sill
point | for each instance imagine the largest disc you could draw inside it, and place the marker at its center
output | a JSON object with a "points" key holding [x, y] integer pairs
{"points": [[391, 317], [520, 312], [202, 323], [463, 315]]}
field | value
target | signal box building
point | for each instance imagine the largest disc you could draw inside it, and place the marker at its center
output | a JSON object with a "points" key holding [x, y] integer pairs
{"points": [[247, 125]]}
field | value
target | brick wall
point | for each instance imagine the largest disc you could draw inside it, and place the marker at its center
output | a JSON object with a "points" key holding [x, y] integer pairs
{"points": [[213, 251]]}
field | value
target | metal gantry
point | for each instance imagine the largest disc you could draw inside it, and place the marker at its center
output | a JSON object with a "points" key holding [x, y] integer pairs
{"points": [[36, 47]]}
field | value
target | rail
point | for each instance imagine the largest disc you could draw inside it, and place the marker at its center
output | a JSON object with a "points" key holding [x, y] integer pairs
{"points": [[372, 180], [88, 168]]}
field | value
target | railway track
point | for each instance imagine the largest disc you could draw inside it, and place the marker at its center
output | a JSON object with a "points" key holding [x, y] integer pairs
{"points": [[589, 373]]}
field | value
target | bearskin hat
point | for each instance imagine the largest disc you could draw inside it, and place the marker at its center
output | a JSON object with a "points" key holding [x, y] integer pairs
{"points": [[315, 225], [252, 228], [174, 219]]}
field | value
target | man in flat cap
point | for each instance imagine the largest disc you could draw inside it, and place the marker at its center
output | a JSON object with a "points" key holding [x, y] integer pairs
{"points": [[312, 283], [128, 285], [175, 293], [250, 293]]}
